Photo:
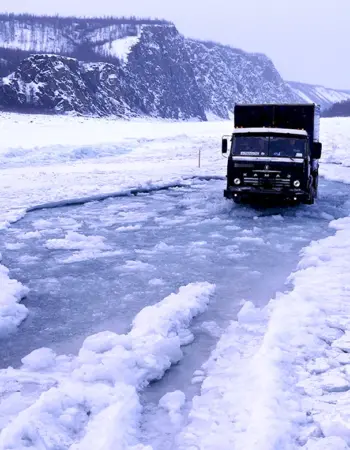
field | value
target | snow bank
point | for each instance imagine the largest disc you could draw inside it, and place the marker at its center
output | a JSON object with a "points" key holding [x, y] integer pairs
{"points": [[55, 158], [280, 376], [12, 313], [65, 402], [335, 137]]}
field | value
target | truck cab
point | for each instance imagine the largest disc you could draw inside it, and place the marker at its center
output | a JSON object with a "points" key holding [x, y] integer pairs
{"points": [[272, 161]]}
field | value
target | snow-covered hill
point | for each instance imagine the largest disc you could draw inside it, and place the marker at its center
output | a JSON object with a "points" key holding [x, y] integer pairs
{"points": [[127, 67], [319, 94]]}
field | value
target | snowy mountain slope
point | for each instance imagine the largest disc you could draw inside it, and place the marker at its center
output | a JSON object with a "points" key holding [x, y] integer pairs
{"points": [[157, 71], [227, 76], [318, 94]]}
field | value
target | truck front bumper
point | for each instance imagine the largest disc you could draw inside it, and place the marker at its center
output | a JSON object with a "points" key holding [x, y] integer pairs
{"points": [[241, 192]]}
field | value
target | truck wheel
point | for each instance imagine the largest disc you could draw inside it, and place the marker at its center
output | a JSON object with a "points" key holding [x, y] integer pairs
{"points": [[310, 199], [315, 185]]}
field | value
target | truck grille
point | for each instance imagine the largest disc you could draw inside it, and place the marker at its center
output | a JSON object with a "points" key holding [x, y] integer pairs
{"points": [[267, 182]]}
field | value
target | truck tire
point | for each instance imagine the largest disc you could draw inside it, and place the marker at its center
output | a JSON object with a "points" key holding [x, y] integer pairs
{"points": [[315, 184], [310, 200]]}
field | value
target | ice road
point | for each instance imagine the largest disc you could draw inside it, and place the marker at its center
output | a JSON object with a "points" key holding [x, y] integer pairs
{"points": [[174, 319], [94, 267]]}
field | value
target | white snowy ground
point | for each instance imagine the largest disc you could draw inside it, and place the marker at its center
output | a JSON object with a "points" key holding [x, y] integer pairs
{"points": [[278, 379]]}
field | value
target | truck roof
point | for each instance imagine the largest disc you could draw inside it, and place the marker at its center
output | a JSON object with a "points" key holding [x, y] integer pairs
{"points": [[260, 130]]}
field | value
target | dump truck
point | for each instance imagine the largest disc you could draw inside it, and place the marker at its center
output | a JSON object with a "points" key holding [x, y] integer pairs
{"points": [[273, 152]]}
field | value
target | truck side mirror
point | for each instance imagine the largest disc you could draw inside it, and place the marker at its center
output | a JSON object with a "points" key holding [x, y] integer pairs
{"points": [[224, 145], [316, 150]]}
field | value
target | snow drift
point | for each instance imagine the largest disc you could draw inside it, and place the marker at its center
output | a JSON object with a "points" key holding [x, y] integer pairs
{"points": [[12, 313], [280, 376], [60, 401]]}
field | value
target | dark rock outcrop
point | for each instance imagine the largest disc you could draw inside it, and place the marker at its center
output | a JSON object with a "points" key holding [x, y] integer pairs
{"points": [[47, 82]]}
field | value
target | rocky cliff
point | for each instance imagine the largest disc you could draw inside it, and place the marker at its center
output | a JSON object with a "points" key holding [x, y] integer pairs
{"points": [[127, 67], [226, 76]]}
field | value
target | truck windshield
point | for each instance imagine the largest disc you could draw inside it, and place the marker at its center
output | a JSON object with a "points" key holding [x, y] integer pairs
{"points": [[250, 146], [278, 146], [285, 146]]}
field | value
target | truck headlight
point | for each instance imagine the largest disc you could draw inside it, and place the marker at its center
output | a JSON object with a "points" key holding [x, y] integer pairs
{"points": [[296, 183], [237, 181]]}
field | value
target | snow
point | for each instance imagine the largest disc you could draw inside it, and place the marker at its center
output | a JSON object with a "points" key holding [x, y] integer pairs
{"points": [[120, 48], [279, 376], [55, 158], [12, 313], [66, 401], [172, 403], [270, 374], [47, 38]]}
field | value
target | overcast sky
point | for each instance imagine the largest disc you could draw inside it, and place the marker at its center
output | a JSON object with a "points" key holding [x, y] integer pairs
{"points": [[308, 40]]}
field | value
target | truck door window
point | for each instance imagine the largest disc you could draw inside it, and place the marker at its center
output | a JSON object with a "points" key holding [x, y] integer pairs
{"points": [[250, 146], [287, 147]]}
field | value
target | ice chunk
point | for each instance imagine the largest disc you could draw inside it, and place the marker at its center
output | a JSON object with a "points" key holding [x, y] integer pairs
{"points": [[14, 245], [42, 224], [212, 328], [343, 343], [173, 402], [137, 265], [28, 259], [163, 247], [328, 443], [250, 240], [278, 218], [12, 313], [77, 241], [85, 255], [156, 282], [40, 359], [318, 366], [249, 314], [334, 382], [29, 235], [129, 228]]}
